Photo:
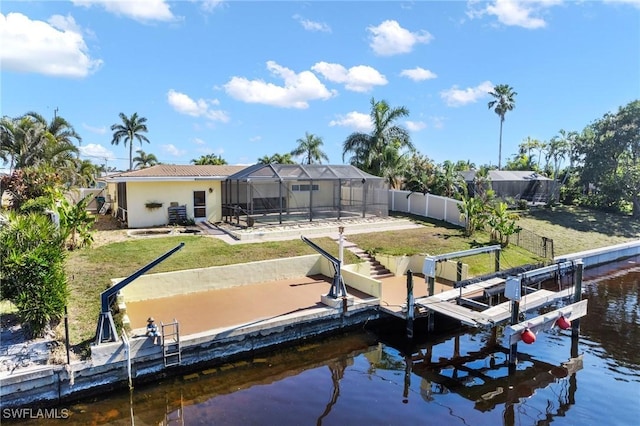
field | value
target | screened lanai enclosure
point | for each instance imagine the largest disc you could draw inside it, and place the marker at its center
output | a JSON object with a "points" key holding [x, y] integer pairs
{"points": [[267, 194]]}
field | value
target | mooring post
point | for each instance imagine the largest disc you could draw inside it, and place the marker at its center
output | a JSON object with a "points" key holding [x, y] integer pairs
{"points": [[496, 260], [410, 304], [513, 349], [459, 271], [577, 296]]}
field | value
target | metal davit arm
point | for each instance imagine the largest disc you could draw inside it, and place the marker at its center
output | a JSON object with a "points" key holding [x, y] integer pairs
{"points": [[106, 331], [338, 288]]}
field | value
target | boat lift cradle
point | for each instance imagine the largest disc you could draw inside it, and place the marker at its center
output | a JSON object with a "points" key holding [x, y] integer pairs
{"points": [[106, 330]]}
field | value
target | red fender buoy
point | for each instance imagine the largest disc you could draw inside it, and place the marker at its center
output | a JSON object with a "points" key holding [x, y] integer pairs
{"points": [[528, 336], [563, 323]]}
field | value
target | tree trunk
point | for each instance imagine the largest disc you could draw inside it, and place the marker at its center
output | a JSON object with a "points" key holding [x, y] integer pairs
{"points": [[500, 146]]}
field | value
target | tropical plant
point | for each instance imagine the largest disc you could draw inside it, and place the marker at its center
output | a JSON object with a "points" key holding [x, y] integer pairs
{"points": [[309, 148], [502, 223], [30, 183], [369, 150], [276, 159], [210, 159], [144, 160], [610, 148], [76, 222], [60, 129], [32, 270], [419, 175], [503, 102], [473, 212], [131, 128]]}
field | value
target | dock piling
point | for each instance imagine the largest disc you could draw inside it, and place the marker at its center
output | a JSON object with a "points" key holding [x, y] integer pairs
{"points": [[410, 304]]}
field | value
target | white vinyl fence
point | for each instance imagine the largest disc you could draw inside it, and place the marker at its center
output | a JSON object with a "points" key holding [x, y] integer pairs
{"points": [[428, 205]]}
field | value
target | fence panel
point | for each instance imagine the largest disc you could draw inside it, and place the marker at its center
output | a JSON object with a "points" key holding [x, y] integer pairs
{"points": [[541, 246]]}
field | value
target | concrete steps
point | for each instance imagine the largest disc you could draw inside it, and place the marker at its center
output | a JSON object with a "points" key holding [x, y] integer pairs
{"points": [[376, 269]]}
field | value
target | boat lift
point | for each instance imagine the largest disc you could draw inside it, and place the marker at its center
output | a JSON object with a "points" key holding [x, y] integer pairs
{"points": [[338, 288], [106, 330]]}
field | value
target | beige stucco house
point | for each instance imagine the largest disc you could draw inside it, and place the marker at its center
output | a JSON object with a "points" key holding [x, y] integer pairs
{"points": [[147, 197]]}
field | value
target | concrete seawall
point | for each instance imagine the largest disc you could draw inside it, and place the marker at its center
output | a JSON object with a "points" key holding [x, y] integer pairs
{"points": [[107, 370]]}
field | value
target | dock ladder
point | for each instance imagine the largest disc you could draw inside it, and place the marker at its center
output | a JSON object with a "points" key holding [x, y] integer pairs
{"points": [[171, 348]]}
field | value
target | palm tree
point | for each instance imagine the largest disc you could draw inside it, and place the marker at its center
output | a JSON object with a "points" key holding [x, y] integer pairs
{"points": [[276, 159], [210, 159], [503, 102], [309, 146], [59, 128], [130, 129], [368, 149], [144, 160]]}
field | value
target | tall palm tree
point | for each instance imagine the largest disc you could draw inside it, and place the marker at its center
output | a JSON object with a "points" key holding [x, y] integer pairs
{"points": [[144, 160], [368, 149], [209, 159], [503, 102], [309, 146], [130, 129]]}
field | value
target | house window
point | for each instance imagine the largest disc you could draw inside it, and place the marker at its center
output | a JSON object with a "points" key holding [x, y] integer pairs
{"points": [[304, 188]]}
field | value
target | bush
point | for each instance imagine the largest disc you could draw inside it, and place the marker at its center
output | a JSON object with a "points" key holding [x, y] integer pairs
{"points": [[32, 270]]}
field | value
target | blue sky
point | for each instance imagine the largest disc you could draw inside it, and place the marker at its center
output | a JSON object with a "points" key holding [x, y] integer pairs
{"points": [[247, 79]]}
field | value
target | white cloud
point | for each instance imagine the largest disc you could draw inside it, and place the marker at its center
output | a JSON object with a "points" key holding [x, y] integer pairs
{"points": [[455, 97], [210, 5], [199, 141], [93, 150], [360, 78], [389, 38], [255, 139], [415, 126], [418, 74], [99, 130], [519, 13], [635, 3], [312, 25], [56, 48], [437, 122], [357, 121], [173, 150], [200, 108], [297, 91], [139, 10]]}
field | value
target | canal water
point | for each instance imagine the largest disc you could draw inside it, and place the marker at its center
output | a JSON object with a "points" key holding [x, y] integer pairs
{"points": [[373, 376]]}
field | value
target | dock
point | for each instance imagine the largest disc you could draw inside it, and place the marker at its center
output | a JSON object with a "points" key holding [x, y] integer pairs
{"points": [[454, 303]]}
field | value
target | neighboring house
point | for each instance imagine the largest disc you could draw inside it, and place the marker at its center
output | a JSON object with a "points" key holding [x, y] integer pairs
{"points": [[146, 197], [522, 185]]}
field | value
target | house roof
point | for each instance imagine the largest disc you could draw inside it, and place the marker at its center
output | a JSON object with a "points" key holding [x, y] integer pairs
{"points": [[505, 175], [172, 172], [277, 172]]}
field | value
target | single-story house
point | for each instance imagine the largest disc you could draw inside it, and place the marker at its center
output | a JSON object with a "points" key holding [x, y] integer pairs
{"points": [[523, 185], [262, 193], [147, 197]]}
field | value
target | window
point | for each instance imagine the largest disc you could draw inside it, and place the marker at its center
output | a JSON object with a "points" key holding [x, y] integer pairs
{"points": [[304, 188]]}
